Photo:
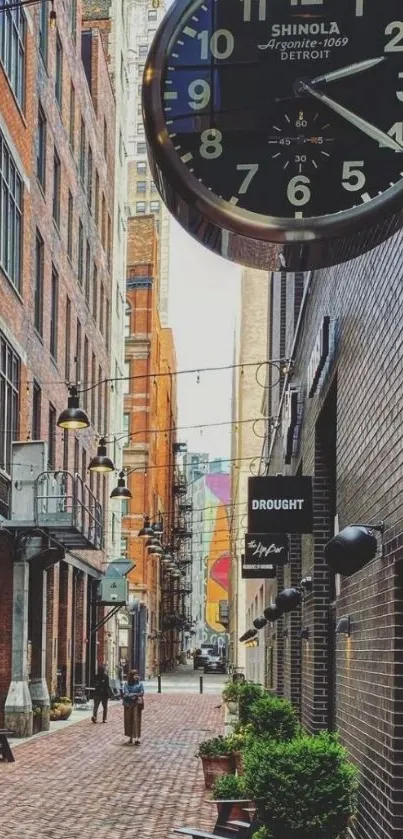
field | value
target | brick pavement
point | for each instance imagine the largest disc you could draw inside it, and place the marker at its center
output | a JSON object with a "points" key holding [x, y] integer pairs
{"points": [[84, 783]]}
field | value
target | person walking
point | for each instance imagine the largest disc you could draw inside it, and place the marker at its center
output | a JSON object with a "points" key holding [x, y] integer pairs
{"points": [[133, 704], [101, 694]]}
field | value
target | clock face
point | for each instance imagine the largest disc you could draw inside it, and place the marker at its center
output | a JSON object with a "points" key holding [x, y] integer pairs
{"points": [[287, 108]]}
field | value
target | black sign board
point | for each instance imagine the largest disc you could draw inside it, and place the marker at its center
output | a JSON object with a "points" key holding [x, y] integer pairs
{"points": [[257, 569], [280, 505], [266, 549]]}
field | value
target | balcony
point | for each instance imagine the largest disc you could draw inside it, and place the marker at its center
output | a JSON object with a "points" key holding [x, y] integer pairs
{"points": [[179, 486], [67, 509]]}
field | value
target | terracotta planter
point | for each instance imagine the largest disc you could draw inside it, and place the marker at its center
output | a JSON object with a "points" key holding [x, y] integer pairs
{"points": [[215, 767], [236, 813], [238, 761]]}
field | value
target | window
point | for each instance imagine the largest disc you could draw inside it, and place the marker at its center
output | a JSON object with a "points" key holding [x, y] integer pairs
{"points": [[88, 272], [126, 377], [72, 118], [141, 186], [126, 429], [140, 69], [96, 199], [43, 24], [125, 507], [141, 166], [152, 14], [59, 71], [67, 340], [140, 207], [12, 48], [41, 151], [155, 206], [78, 351], [80, 263], [54, 306], [95, 293], [89, 178], [39, 267], [140, 129], [101, 308], [100, 398], [141, 148], [9, 400], [93, 373], [105, 139], [107, 325], [143, 51], [11, 196], [70, 227], [82, 150], [36, 412], [85, 373], [128, 315], [56, 188], [52, 437]]}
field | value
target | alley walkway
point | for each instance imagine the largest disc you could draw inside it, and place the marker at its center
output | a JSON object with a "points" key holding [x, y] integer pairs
{"points": [[85, 783]]}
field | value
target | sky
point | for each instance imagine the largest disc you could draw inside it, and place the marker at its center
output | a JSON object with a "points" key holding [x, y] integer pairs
{"points": [[204, 294]]}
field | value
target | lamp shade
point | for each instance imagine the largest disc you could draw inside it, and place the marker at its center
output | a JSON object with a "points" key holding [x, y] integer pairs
{"points": [[146, 531], [73, 417], [155, 550], [157, 527], [288, 599], [101, 462], [247, 636], [272, 613], [260, 623], [351, 549], [121, 490]]}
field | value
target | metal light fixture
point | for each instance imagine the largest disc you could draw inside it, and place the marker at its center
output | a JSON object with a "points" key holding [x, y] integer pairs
{"points": [[146, 531], [288, 599], [157, 526], [153, 540], [306, 584], [121, 490], [260, 623], [73, 417], [101, 462], [155, 550], [248, 635], [344, 626], [52, 17], [352, 548], [272, 613]]}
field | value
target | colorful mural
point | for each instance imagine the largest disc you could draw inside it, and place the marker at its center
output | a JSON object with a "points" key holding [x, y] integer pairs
{"points": [[217, 557]]}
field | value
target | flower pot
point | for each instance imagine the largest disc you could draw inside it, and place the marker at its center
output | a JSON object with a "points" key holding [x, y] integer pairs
{"points": [[238, 761], [232, 706], [236, 813], [215, 767], [65, 711]]}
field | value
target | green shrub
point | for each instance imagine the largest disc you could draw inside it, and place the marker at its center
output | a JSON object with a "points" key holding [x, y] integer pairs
{"points": [[274, 717], [305, 788], [231, 692], [248, 693], [216, 747], [229, 786], [262, 833]]}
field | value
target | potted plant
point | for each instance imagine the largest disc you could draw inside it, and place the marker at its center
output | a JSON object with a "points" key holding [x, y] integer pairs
{"points": [[216, 759], [230, 696], [236, 742], [305, 788], [273, 717], [60, 708], [248, 693], [231, 787]]}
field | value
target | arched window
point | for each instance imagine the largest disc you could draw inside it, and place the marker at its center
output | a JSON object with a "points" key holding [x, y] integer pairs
{"points": [[128, 315]]}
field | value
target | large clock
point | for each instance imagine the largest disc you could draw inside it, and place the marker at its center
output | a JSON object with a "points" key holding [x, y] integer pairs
{"points": [[275, 127]]}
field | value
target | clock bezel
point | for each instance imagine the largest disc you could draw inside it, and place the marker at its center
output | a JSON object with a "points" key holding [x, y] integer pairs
{"points": [[180, 189]]}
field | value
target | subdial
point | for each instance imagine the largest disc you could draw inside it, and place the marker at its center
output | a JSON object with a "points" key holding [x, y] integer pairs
{"points": [[301, 141]]}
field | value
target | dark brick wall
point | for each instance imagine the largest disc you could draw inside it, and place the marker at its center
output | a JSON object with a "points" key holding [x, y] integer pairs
{"points": [[364, 299]]}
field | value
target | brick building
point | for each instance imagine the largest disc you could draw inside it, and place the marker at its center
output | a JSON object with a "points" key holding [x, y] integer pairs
{"points": [[57, 132], [150, 417], [346, 434]]}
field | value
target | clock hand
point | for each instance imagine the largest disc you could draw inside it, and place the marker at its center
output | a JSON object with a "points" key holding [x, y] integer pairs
{"points": [[350, 116], [349, 70]]}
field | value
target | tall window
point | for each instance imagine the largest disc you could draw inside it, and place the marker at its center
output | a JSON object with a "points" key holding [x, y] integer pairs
{"points": [[39, 270], [41, 149], [72, 118], [56, 188], [80, 262], [143, 50], [93, 394], [78, 352], [9, 400], [87, 273], [101, 308], [36, 412], [141, 166], [54, 307], [52, 437], [12, 48], [82, 150], [128, 315], [140, 208], [59, 71], [67, 341], [100, 400], [126, 429], [141, 148], [95, 293], [70, 227], [126, 377], [155, 206], [85, 372], [11, 196], [89, 178], [141, 186], [43, 30]]}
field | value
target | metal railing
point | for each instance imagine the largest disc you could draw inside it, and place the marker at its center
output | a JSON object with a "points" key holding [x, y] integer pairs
{"points": [[63, 500]]}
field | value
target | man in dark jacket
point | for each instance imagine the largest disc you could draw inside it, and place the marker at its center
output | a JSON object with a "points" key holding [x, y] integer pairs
{"points": [[101, 693]]}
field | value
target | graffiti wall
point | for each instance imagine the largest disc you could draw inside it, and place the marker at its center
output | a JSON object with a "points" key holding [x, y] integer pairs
{"points": [[217, 558]]}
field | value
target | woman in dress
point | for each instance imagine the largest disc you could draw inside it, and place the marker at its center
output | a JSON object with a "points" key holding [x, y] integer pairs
{"points": [[133, 704]]}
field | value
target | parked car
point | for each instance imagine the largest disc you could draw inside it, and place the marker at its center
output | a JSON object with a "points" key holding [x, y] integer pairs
{"points": [[215, 664], [201, 655]]}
